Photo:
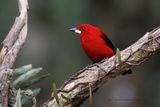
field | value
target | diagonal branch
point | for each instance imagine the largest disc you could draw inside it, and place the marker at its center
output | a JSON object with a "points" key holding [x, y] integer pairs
{"points": [[76, 89], [11, 46]]}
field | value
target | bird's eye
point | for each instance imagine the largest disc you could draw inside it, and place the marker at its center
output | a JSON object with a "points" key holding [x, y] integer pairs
{"points": [[83, 29]]}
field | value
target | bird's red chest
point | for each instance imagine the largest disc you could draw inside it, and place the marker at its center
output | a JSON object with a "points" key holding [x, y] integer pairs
{"points": [[96, 48]]}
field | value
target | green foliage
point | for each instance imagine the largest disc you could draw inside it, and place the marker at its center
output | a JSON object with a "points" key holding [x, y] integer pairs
{"points": [[19, 71], [23, 78], [33, 81]]}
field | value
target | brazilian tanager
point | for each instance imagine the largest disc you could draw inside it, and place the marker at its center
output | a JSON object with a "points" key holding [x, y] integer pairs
{"points": [[95, 43]]}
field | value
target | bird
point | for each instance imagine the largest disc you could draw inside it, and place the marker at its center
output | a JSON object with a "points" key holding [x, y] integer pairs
{"points": [[95, 43]]}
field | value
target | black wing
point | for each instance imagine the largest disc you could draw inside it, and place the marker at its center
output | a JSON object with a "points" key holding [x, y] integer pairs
{"points": [[108, 42]]}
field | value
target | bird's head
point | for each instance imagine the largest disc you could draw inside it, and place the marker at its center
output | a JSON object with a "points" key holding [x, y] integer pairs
{"points": [[85, 29]]}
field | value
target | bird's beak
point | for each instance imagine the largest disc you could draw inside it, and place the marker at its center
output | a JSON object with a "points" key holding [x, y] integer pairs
{"points": [[75, 30]]}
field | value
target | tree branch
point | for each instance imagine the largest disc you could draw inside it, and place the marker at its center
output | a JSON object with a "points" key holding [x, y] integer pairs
{"points": [[11, 46], [76, 89]]}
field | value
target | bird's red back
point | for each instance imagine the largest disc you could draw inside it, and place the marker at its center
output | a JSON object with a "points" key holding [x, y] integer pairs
{"points": [[95, 43]]}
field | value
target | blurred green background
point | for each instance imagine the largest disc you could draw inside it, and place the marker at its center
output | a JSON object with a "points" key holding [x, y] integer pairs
{"points": [[51, 45]]}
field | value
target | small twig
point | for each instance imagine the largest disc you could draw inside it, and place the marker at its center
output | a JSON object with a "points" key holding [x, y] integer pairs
{"points": [[54, 94]]}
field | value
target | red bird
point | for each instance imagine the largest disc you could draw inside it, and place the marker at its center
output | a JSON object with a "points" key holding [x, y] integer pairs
{"points": [[95, 43]]}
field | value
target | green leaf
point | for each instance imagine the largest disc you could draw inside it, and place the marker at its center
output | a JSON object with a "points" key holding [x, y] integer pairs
{"points": [[21, 70], [33, 81], [25, 77], [18, 99]]}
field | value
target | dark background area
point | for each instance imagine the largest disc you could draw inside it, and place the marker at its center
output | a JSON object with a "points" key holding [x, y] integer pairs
{"points": [[52, 46]]}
